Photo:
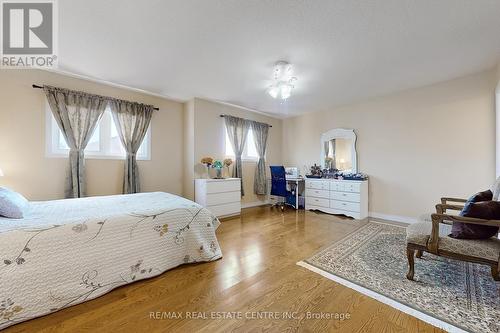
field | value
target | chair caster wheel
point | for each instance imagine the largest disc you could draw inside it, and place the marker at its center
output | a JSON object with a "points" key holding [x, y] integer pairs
{"points": [[282, 209]]}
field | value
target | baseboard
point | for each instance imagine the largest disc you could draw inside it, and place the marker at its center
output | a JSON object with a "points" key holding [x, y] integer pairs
{"points": [[397, 218], [254, 204]]}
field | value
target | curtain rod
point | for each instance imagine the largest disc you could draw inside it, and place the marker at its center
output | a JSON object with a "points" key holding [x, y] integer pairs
{"points": [[40, 87], [223, 115]]}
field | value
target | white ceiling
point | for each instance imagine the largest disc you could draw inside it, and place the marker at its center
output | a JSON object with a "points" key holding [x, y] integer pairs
{"points": [[342, 51]]}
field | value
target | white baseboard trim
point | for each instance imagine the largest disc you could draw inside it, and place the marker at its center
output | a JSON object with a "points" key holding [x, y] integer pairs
{"points": [[254, 204], [397, 218]]}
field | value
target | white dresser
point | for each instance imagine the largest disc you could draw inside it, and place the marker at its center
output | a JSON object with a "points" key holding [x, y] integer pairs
{"points": [[221, 196], [348, 197]]}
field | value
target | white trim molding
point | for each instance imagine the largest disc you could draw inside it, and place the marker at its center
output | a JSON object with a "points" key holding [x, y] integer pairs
{"points": [[396, 218]]}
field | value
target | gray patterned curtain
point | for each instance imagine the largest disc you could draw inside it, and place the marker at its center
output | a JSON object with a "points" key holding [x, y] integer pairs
{"points": [[237, 131], [77, 115], [260, 133], [132, 120]]}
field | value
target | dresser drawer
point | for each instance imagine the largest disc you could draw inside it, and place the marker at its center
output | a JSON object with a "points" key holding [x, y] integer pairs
{"points": [[223, 198], [349, 206], [346, 187], [318, 185], [223, 186], [226, 209], [318, 202], [345, 196], [317, 193]]}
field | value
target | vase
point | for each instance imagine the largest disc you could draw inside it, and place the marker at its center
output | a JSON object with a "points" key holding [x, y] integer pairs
{"points": [[218, 173]]}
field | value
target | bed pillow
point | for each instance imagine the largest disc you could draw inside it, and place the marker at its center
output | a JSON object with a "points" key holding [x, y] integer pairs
{"points": [[12, 204], [478, 206]]}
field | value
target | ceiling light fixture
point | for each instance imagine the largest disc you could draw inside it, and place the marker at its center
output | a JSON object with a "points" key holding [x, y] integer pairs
{"points": [[283, 81]]}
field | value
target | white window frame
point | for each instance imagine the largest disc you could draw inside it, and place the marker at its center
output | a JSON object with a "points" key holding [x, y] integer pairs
{"points": [[244, 156], [53, 133]]}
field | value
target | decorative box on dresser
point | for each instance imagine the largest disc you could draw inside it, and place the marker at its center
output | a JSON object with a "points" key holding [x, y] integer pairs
{"points": [[333, 196], [220, 196]]}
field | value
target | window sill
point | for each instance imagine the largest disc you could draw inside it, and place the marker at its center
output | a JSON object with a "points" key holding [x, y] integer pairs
{"points": [[97, 157], [243, 159]]}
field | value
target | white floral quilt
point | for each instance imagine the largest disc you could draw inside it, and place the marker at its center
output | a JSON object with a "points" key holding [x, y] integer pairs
{"points": [[65, 252]]}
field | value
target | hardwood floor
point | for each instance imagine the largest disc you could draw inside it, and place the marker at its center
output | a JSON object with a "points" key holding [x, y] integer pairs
{"points": [[257, 275]]}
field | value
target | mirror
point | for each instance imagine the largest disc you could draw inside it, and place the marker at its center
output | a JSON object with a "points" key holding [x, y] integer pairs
{"points": [[338, 150]]}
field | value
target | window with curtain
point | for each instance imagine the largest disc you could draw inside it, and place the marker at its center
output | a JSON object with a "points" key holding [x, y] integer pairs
{"points": [[250, 151], [105, 142]]}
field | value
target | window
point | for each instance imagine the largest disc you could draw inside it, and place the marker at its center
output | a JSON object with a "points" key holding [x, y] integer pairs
{"points": [[249, 152], [104, 143]]}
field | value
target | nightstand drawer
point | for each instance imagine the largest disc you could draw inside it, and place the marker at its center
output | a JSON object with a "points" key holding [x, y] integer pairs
{"points": [[223, 198], [317, 193], [345, 196], [350, 206], [226, 209], [223, 186]]}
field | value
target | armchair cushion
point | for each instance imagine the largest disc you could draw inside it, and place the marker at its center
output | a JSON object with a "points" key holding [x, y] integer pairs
{"points": [[495, 189], [478, 206], [419, 233]]}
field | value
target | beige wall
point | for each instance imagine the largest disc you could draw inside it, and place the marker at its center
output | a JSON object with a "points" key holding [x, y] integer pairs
{"points": [[497, 103], [188, 146], [22, 140], [209, 140], [498, 73], [416, 145]]}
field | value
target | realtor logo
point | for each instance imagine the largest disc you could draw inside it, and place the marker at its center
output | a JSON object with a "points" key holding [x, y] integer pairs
{"points": [[28, 33]]}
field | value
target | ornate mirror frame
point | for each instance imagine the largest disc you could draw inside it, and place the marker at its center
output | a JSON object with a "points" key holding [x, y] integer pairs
{"points": [[340, 133]]}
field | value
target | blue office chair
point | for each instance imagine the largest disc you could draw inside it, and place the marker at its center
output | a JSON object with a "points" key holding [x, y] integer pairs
{"points": [[278, 185]]}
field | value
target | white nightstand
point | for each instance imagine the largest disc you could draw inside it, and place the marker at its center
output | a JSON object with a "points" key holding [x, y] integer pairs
{"points": [[220, 196]]}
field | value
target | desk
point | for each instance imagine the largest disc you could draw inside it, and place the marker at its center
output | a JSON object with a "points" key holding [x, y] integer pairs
{"points": [[299, 184]]}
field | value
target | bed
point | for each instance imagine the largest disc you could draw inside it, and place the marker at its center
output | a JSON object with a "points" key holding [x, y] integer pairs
{"points": [[66, 252]]}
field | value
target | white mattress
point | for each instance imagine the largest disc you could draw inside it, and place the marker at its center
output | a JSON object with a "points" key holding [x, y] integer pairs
{"points": [[65, 252]]}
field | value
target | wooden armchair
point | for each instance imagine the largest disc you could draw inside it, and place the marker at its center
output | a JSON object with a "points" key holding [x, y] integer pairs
{"points": [[433, 238]]}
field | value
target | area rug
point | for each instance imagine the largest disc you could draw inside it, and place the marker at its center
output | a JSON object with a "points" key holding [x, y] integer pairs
{"points": [[452, 295]]}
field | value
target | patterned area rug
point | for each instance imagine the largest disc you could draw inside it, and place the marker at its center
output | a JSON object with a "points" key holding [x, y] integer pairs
{"points": [[450, 294]]}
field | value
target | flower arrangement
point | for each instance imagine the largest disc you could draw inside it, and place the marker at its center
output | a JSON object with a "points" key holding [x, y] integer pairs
{"points": [[227, 163], [315, 172], [208, 161]]}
